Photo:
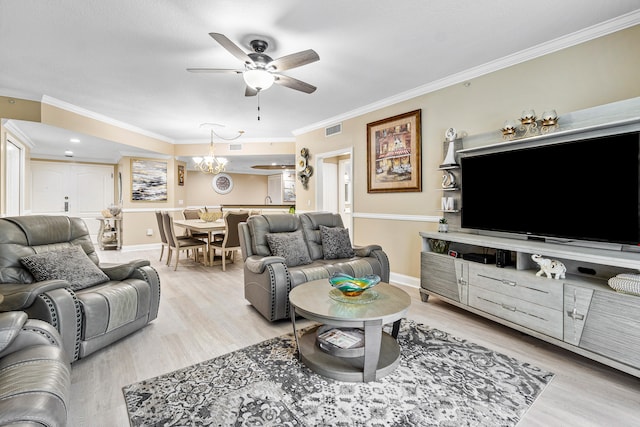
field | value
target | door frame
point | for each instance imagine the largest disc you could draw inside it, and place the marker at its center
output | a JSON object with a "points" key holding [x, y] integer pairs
{"points": [[347, 151], [21, 176]]}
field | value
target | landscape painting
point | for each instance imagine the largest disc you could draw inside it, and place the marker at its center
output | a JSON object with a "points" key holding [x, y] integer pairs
{"points": [[148, 180]]}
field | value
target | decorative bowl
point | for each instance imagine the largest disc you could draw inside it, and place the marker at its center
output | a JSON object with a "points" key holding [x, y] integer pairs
{"points": [[353, 286], [210, 216], [115, 210]]}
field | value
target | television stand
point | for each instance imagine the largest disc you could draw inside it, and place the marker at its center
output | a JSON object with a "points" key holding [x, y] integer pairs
{"points": [[580, 313]]}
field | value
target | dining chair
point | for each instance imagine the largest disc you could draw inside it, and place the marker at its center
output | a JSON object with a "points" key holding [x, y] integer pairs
{"points": [[193, 214], [163, 235], [231, 242], [184, 243]]}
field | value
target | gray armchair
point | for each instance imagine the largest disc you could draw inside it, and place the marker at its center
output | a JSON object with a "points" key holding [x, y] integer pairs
{"points": [[35, 375], [271, 272], [50, 270]]}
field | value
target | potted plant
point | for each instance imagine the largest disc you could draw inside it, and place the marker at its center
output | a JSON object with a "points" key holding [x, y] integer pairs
{"points": [[443, 227]]}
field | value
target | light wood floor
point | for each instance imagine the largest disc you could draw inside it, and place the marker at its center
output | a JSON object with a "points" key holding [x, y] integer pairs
{"points": [[203, 314]]}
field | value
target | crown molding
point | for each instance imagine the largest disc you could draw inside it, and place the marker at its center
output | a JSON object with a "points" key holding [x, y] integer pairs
{"points": [[46, 99], [10, 126], [602, 29]]}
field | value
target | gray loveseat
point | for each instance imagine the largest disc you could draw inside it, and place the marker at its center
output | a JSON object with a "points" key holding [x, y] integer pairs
{"points": [[50, 270], [35, 374], [282, 251]]}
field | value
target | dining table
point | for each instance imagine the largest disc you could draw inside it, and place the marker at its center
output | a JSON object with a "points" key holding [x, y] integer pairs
{"points": [[201, 226]]}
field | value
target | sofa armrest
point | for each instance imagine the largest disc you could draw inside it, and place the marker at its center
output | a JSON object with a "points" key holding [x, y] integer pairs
{"points": [[51, 301], [10, 326], [366, 250], [257, 264], [122, 271], [17, 332], [150, 275], [17, 296]]}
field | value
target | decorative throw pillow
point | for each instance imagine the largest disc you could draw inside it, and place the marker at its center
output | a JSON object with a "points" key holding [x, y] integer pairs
{"points": [[70, 264], [336, 242], [290, 246]]}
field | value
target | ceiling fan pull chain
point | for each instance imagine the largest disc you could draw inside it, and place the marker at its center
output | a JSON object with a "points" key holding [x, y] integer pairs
{"points": [[258, 105]]}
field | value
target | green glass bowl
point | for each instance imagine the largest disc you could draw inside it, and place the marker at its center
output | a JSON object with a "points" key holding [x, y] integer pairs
{"points": [[353, 286]]}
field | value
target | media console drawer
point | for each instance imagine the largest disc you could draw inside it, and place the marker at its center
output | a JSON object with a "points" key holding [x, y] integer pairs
{"points": [[533, 316], [523, 285]]}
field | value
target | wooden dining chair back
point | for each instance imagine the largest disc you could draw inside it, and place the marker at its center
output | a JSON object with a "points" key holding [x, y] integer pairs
{"points": [[181, 244], [163, 235], [191, 213], [194, 214], [231, 242]]}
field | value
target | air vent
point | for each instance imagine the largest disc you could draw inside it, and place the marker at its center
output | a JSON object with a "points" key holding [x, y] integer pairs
{"points": [[333, 130], [235, 147]]}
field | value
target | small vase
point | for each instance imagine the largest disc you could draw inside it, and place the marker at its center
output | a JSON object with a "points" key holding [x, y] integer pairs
{"points": [[443, 228]]}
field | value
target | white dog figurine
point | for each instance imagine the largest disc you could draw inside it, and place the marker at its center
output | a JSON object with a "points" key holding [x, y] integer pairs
{"points": [[550, 267]]}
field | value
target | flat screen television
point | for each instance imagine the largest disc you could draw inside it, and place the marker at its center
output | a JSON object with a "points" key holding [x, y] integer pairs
{"points": [[585, 190]]}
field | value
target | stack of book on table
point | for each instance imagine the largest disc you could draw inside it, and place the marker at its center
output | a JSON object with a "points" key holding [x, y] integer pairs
{"points": [[336, 338]]}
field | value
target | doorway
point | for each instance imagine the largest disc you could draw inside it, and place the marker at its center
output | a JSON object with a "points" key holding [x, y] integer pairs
{"points": [[334, 191]]}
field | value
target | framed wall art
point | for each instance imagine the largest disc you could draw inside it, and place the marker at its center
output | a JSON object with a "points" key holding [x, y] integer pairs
{"points": [[181, 175], [393, 154], [148, 180]]}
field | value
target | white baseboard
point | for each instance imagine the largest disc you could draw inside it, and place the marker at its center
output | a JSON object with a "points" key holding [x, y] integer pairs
{"points": [[402, 279], [147, 247]]}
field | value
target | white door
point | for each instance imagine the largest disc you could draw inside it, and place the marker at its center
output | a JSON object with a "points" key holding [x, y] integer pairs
{"points": [[78, 190], [344, 191], [330, 187]]}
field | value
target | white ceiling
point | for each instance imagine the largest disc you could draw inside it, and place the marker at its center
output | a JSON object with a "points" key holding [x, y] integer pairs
{"points": [[126, 60]]}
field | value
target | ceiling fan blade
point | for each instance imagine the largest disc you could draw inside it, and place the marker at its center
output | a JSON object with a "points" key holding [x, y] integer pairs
{"points": [[213, 70], [292, 83], [294, 60], [249, 91], [232, 48]]}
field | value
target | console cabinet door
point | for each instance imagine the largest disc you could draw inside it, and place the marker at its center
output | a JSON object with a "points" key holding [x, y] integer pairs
{"points": [[438, 275], [611, 327]]}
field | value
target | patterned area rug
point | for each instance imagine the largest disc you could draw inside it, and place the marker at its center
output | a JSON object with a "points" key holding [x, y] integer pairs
{"points": [[441, 381]]}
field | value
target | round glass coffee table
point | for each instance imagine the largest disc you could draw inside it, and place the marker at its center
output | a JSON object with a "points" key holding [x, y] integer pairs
{"points": [[376, 356]]}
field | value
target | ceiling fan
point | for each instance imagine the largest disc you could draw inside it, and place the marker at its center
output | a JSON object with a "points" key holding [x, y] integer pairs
{"points": [[260, 71]]}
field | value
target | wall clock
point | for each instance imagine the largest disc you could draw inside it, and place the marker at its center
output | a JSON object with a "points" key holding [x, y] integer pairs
{"points": [[222, 183]]}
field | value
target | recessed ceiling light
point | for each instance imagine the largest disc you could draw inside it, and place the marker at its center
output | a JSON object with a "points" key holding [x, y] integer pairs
{"points": [[68, 153], [74, 140]]}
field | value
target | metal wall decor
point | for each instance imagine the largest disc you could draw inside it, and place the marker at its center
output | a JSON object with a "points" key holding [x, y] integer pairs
{"points": [[305, 170], [529, 125]]}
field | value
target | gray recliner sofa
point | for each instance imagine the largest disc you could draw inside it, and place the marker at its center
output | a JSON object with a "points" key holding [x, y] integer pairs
{"points": [[268, 277], [93, 304], [35, 374]]}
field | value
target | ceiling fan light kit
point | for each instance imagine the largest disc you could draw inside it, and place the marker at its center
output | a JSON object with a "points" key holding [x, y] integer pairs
{"points": [[258, 79], [260, 71]]}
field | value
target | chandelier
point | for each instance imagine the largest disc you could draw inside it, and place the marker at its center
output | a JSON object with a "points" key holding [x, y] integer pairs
{"points": [[210, 163]]}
